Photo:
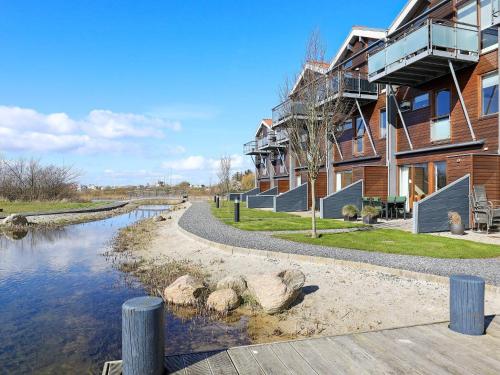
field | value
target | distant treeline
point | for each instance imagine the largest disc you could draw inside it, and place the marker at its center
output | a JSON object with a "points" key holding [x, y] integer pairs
{"points": [[29, 180]]}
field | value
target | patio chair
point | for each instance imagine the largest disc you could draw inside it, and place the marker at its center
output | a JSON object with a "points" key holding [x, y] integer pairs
{"points": [[391, 205], [480, 215], [367, 201], [491, 206], [377, 202], [400, 206]]}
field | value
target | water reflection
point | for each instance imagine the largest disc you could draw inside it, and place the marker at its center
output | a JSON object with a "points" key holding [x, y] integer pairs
{"points": [[60, 302]]}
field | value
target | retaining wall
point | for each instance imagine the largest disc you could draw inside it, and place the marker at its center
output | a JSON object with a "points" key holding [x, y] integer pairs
{"points": [[260, 201], [292, 201], [431, 213], [330, 207], [272, 191]]}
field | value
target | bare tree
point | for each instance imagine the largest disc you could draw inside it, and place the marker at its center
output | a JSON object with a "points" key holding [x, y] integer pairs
{"points": [[318, 113], [224, 174]]}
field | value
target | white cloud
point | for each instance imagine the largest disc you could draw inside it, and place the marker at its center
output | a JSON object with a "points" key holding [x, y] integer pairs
{"points": [[24, 129]]}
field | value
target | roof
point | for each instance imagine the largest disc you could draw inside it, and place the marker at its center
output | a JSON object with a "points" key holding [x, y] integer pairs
{"points": [[266, 122], [320, 67], [402, 17], [357, 32]]}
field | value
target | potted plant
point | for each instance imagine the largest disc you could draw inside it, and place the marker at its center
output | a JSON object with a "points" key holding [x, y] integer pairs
{"points": [[350, 212], [456, 225], [370, 214]]}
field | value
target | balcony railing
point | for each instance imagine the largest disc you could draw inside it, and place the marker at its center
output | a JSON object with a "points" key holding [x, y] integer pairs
{"points": [[250, 148], [281, 135], [286, 110], [434, 38], [348, 84]]}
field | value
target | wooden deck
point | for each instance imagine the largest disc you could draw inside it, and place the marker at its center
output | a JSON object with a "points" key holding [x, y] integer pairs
{"points": [[426, 349]]}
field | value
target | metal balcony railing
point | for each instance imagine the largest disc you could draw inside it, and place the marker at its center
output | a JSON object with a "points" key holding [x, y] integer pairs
{"points": [[430, 37], [287, 109], [250, 147], [349, 84], [281, 135]]}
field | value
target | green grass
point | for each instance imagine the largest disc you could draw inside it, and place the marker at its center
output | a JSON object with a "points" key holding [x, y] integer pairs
{"points": [[43, 206], [399, 242], [259, 220]]}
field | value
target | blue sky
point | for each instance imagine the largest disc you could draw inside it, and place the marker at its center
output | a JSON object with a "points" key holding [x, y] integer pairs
{"points": [[132, 91]]}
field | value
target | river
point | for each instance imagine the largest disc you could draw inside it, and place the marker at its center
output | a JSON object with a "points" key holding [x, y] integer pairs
{"points": [[61, 297]]}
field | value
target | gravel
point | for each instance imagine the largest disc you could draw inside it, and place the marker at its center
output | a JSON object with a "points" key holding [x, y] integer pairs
{"points": [[199, 220]]}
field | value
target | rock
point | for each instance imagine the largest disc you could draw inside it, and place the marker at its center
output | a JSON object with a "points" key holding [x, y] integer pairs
{"points": [[223, 300], [276, 292], [15, 220], [184, 291], [236, 283], [159, 218]]}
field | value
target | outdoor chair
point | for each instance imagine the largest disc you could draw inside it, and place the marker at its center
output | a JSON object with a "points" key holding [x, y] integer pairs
{"points": [[490, 206], [377, 202], [367, 201], [400, 206], [480, 215], [390, 205]]}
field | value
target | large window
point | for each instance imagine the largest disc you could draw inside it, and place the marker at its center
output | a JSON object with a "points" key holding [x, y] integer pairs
{"points": [[359, 133], [383, 123], [439, 175], [420, 101], [489, 94], [440, 124], [489, 34]]}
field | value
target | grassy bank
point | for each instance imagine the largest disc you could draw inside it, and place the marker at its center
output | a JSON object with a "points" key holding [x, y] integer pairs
{"points": [[399, 242], [44, 206], [259, 220]]}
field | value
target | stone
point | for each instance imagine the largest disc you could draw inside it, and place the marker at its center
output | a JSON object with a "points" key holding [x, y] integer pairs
{"points": [[159, 218], [186, 290], [236, 283], [223, 300], [277, 292], [15, 220]]}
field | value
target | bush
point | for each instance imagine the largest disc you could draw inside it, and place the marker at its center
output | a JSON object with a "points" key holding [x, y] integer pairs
{"points": [[454, 218], [349, 210], [370, 211]]}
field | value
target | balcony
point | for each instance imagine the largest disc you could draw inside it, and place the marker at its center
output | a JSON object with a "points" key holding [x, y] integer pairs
{"points": [[253, 148], [286, 110], [348, 84], [281, 136], [271, 142], [421, 54]]}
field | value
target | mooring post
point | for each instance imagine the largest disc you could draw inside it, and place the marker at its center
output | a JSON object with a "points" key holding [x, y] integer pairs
{"points": [[467, 304], [236, 210], [142, 336]]}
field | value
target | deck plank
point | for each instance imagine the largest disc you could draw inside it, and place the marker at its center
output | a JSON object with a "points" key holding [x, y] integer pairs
{"points": [[268, 360], [174, 365], [292, 359], [196, 364], [221, 364], [244, 361]]}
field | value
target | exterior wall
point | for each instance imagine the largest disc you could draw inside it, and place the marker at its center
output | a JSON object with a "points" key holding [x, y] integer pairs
{"points": [[292, 201], [271, 191], [331, 206], [375, 182], [260, 201], [264, 185], [283, 186]]}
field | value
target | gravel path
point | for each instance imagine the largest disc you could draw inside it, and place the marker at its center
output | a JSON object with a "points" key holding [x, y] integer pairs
{"points": [[199, 220]]}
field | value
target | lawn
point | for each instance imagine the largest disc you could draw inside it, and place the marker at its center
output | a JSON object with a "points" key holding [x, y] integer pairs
{"points": [[399, 242], [260, 220], [43, 206]]}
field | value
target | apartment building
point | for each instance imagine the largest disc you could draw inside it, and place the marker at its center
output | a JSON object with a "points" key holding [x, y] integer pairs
{"points": [[425, 99]]}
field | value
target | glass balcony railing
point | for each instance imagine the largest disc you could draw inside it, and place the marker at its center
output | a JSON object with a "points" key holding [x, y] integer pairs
{"points": [[347, 82], [281, 135], [434, 37], [287, 109], [250, 147]]}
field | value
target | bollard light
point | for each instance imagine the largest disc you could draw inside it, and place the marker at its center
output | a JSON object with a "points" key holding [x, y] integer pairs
{"points": [[217, 202], [236, 210]]}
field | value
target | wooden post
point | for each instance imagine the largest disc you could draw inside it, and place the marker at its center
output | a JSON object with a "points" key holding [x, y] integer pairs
{"points": [[142, 336], [467, 304]]}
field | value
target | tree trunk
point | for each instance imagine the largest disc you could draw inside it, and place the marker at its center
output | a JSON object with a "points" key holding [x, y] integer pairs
{"points": [[313, 207]]}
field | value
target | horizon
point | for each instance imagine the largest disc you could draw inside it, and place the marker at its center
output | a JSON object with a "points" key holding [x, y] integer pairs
{"points": [[135, 93]]}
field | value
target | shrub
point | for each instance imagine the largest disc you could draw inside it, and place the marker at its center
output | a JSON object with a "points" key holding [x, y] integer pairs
{"points": [[454, 218], [370, 211], [349, 210]]}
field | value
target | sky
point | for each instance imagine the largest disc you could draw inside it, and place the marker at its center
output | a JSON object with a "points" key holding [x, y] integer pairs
{"points": [[131, 92]]}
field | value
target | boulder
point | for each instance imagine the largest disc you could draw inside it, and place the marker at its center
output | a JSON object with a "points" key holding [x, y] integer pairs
{"points": [[186, 290], [15, 220], [223, 300], [276, 292], [236, 283], [159, 218]]}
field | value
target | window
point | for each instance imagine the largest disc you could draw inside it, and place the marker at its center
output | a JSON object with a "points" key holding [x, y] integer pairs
{"points": [[439, 175], [347, 125], [467, 13], [383, 124], [489, 34], [489, 94], [420, 101], [348, 64], [440, 125], [405, 105], [342, 179], [359, 133]]}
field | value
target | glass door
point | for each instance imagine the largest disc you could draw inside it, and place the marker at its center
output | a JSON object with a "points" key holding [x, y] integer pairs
{"points": [[413, 183], [404, 184]]}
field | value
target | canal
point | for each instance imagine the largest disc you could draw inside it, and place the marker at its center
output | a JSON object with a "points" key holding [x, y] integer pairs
{"points": [[61, 297]]}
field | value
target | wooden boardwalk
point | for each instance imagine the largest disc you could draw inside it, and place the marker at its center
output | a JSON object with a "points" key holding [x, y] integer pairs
{"points": [[426, 349]]}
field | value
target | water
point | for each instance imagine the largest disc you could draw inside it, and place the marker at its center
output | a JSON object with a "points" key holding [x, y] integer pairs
{"points": [[60, 302]]}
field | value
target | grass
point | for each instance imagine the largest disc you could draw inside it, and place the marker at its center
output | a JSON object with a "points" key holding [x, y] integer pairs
{"points": [[399, 242], [259, 220], [43, 206]]}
